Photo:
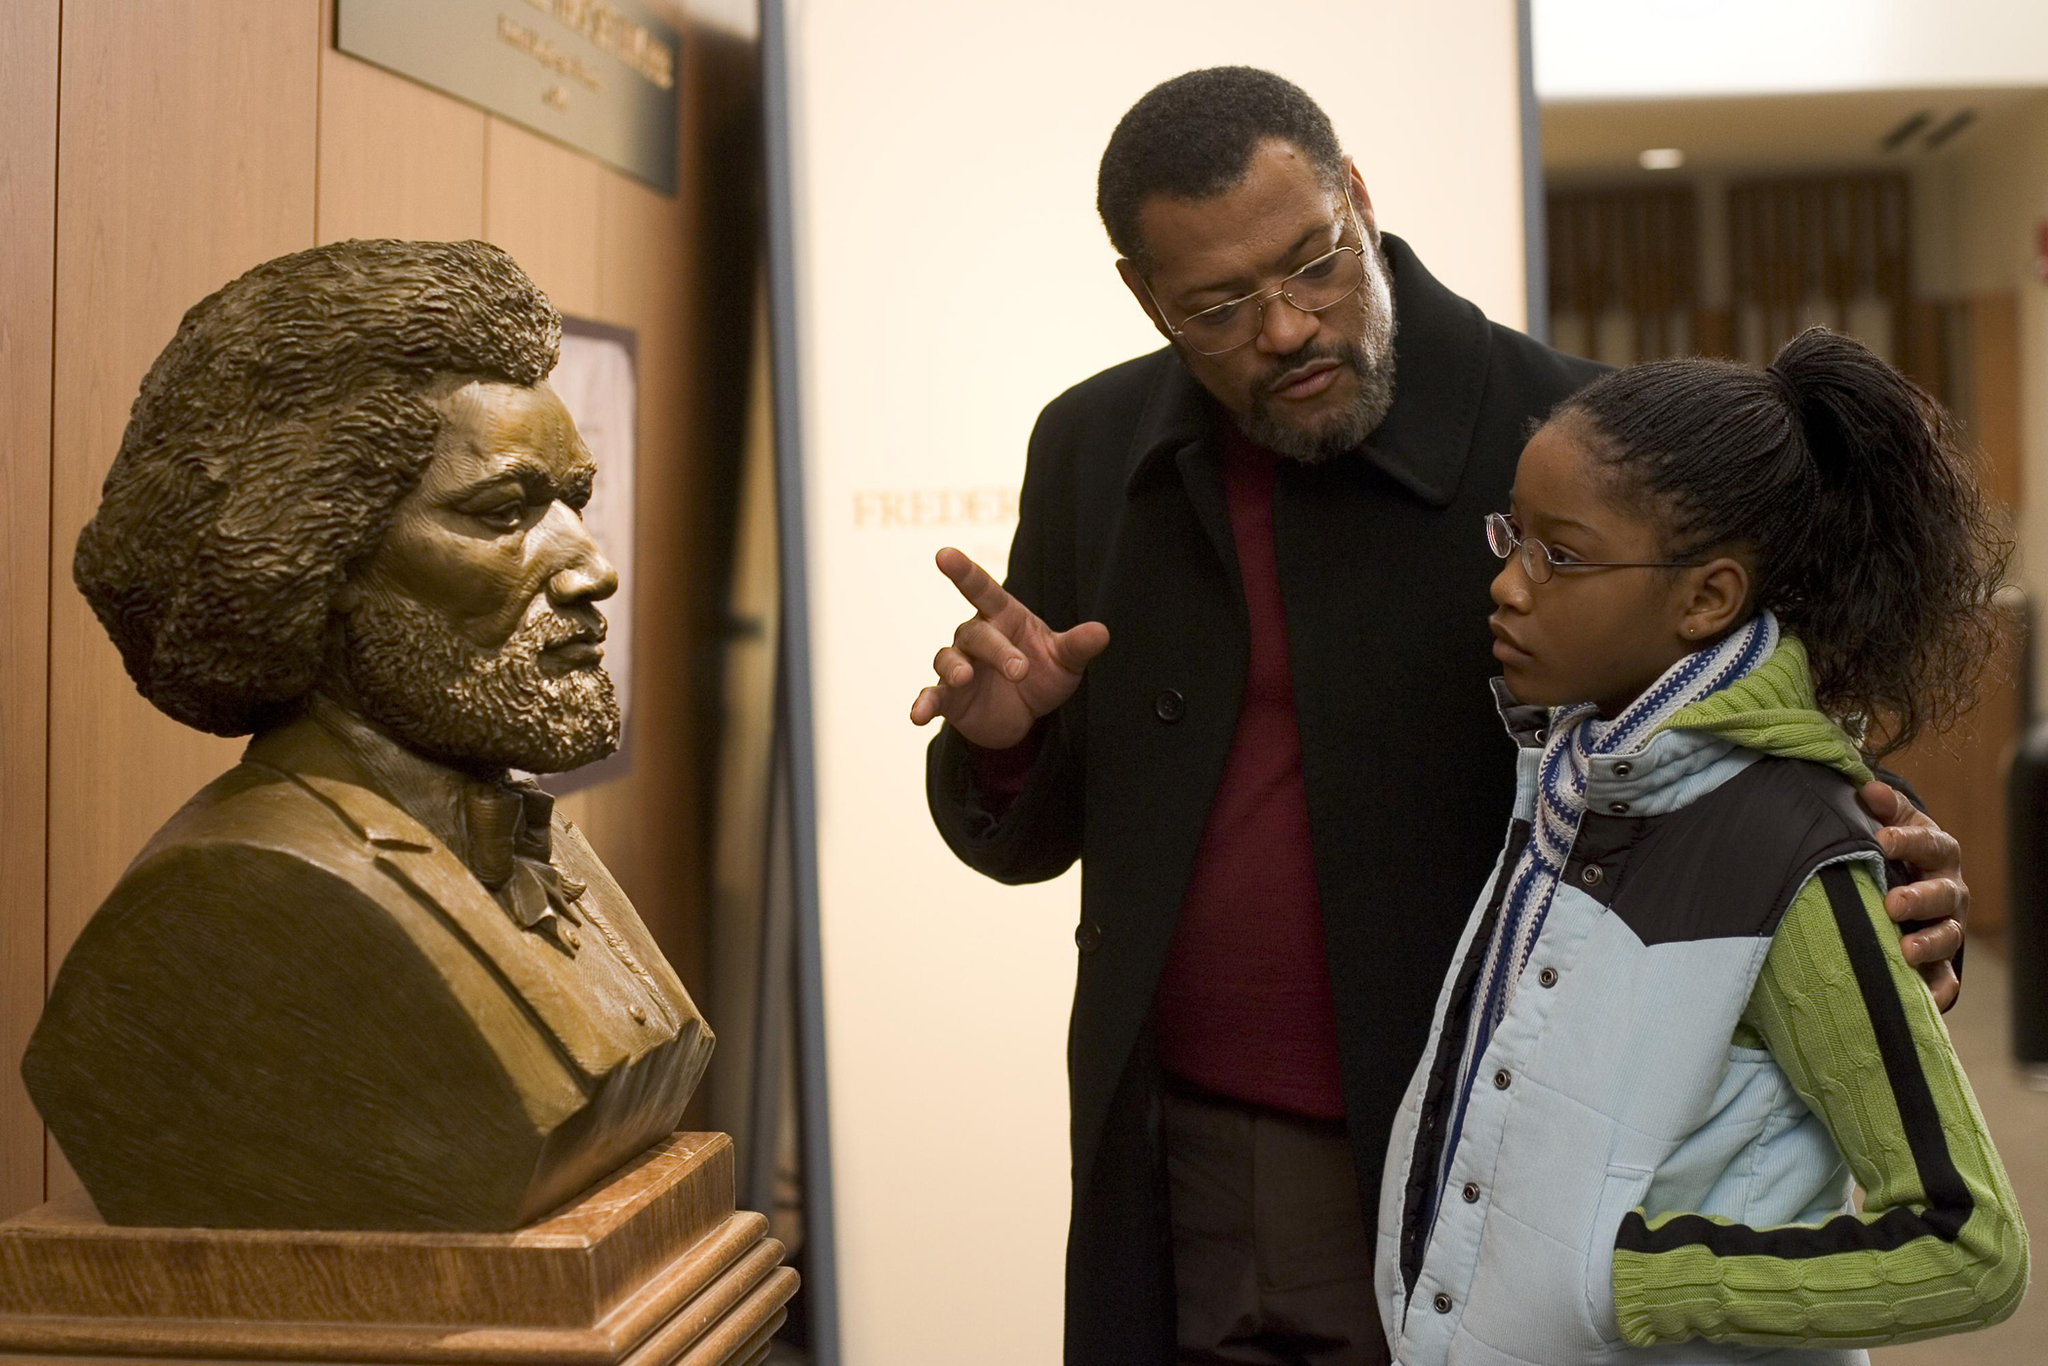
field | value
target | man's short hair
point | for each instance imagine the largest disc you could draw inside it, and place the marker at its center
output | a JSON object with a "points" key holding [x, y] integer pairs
{"points": [[1193, 137], [271, 441]]}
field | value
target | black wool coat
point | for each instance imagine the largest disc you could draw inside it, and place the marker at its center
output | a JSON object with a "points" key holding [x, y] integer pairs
{"points": [[1383, 573]]}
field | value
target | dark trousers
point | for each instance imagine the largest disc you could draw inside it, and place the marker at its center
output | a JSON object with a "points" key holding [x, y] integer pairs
{"points": [[1272, 1254]]}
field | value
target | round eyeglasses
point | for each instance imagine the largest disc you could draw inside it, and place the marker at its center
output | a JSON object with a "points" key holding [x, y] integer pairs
{"points": [[1539, 561], [1328, 280]]}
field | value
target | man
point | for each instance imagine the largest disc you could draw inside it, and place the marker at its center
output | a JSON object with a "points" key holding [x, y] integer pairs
{"points": [[364, 979], [1240, 671]]}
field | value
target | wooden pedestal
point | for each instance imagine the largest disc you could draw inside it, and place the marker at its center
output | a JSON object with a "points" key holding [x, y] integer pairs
{"points": [[651, 1268]]}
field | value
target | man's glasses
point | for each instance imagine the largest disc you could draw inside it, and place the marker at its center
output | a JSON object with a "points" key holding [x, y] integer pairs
{"points": [[1329, 279], [1539, 561]]}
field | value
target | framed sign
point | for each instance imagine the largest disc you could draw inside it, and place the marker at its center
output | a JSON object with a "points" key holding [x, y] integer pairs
{"points": [[599, 75], [596, 378]]}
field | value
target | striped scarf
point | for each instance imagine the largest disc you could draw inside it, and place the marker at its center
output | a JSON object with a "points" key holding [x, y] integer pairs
{"points": [[1577, 736]]}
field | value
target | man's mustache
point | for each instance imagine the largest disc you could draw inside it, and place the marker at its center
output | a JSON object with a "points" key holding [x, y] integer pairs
{"points": [[1344, 353]]}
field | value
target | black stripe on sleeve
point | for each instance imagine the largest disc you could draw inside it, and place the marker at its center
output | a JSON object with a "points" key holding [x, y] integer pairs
{"points": [[1949, 1202]]}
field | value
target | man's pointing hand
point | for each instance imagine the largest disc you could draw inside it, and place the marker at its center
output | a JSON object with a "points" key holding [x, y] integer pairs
{"points": [[1005, 667]]}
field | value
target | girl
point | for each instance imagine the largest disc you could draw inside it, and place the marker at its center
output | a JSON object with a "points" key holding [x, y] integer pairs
{"points": [[1679, 1024]]}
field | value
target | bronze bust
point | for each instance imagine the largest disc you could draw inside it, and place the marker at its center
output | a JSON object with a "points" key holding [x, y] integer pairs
{"points": [[367, 978]]}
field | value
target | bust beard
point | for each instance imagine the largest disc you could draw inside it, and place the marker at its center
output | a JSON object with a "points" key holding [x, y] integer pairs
{"points": [[471, 707]]}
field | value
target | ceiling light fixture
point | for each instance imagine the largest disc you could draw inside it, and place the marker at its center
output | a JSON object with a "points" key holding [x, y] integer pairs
{"points": [[1913, 123], [1957, 122], [1661, 159]]}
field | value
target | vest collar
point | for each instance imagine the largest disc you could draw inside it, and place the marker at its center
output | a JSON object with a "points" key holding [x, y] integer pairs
{"points": [[1527, 725], [1670, 770]]}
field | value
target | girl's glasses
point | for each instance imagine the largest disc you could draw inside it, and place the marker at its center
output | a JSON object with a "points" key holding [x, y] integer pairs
{"points": [[1539, 561]]}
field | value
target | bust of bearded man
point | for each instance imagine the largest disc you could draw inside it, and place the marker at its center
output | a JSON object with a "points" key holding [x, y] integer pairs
{"points": [[367, 978]]}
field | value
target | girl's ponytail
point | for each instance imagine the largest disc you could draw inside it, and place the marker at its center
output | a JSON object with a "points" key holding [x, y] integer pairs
{"points": [[1895, 575], [1871, 537]]}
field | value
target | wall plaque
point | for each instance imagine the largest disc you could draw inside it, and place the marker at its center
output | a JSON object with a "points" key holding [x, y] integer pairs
{"points": [[598, 75]]}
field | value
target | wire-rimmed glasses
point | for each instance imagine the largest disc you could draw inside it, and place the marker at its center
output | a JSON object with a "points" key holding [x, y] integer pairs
{"points": [[1328, 280], [1539, 562]]}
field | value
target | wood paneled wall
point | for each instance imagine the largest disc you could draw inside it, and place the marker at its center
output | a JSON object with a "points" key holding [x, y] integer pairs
{"points": [[151, 152], [28, 220], [1630, 249], [1961, 775]]}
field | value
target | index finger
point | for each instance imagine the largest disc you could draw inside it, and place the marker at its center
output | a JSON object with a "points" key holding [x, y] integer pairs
{"points": [[974, 582]]}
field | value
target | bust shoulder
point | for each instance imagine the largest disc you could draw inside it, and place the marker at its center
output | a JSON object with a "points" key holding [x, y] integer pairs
{"points": [[314, 1015]]}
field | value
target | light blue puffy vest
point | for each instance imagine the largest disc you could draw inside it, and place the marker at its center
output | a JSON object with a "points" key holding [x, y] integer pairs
{"points": [[1612, 1083]]}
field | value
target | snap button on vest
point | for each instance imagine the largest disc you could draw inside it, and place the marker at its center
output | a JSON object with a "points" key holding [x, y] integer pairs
{"points": [[1623, 769], [1442, 1303], [1088, 936], [1548, 977], [1169, 706], [1592, 875], [1501, 1080], [1471, 1192], [1618, 808]]}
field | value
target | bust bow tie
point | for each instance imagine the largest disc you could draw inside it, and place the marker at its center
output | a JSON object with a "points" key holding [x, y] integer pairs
{"points": [[511, 845]]}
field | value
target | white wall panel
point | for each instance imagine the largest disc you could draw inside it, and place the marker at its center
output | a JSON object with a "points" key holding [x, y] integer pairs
{"points": [[953, 278]]}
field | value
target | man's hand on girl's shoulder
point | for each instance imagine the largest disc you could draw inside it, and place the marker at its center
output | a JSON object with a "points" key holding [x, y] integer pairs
{"points": [[1932, 911]]}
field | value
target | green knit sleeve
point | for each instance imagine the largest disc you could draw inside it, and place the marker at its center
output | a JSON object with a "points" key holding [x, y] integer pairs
{"points": [[1938, 1246]]}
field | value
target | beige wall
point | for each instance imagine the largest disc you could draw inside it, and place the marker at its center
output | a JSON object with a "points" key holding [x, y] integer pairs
{"points": [[172, 146], [953, 279]]}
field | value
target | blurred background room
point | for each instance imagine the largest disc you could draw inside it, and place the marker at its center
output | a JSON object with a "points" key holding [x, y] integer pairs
{"points": [[1718, 178]]}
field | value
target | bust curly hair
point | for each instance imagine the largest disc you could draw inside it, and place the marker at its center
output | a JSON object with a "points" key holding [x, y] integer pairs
{"points": [[272, 439]]}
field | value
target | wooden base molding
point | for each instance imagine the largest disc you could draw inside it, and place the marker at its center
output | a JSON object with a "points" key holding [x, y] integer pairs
{"points": [[652, 1268]]}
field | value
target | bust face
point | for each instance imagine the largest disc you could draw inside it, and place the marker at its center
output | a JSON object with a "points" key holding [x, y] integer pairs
{"points": [[472, 633]]}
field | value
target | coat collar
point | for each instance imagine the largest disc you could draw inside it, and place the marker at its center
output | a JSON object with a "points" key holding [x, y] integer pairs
{"points": [[1440, 353]]}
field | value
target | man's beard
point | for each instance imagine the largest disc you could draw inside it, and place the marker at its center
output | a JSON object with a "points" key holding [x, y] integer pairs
{"points": [[448, 699], [1370, 359]]}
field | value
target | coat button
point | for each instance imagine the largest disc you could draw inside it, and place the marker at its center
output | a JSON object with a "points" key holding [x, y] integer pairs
{"points": [[1548, 977], [1442, 1303], [1501, 1080], [1623, 769], [1471, 1193], [1169, 706], [1088, 936], [1618, 808], [1591, 875]]}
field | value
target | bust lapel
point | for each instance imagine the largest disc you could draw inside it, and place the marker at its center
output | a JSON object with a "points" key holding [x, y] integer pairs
{"points": [[535, 973]]}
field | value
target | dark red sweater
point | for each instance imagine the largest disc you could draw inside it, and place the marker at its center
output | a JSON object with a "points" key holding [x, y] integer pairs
{"points": [[1243, 1008]]}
